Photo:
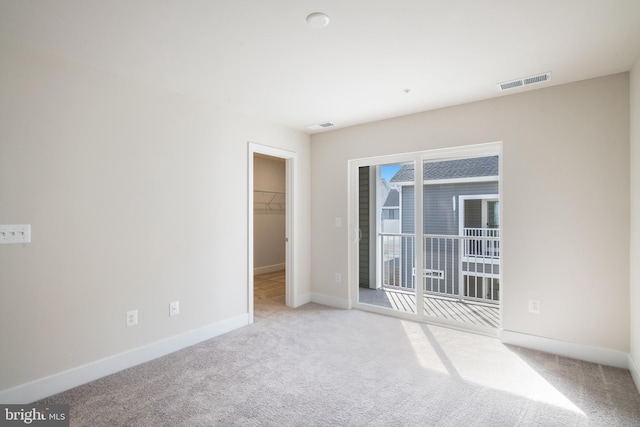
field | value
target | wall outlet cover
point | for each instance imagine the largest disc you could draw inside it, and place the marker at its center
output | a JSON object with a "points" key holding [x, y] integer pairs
{"points": [[534, 306], [132, 317], [174, 308]]}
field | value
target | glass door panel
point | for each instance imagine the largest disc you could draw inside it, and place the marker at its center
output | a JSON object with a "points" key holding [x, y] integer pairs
{"points": [[386, 236], [460, 215]]}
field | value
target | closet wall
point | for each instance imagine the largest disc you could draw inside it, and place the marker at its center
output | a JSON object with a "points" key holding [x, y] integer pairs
{"points": [[269, 214]]}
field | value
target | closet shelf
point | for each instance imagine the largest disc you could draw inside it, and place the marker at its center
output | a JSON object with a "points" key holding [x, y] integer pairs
{"points": [[269, 201]]}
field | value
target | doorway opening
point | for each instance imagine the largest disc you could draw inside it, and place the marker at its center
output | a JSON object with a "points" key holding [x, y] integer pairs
{"points": [[269, 235], [270, 239], [435, 212]]}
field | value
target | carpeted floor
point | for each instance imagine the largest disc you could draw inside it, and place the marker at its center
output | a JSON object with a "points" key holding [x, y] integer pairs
{"points": [[318, 366]]}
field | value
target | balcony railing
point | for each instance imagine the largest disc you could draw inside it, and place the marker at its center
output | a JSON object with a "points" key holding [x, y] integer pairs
{"points": [[466, 267], [481, 242]]}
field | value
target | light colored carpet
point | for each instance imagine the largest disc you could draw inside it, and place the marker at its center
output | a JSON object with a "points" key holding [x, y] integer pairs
{"points": [[318, 366]]}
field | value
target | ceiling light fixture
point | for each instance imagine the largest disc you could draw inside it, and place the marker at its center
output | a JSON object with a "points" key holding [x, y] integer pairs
{"points": [[318, 20]]}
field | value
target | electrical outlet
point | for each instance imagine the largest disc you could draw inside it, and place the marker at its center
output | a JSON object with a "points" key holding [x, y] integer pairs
{"points": [[534, 306], [174, 308], [132, 317], [338, 278]]}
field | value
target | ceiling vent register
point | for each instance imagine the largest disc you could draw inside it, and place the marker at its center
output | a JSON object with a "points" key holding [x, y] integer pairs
{"points": [[525, 81], [320, 126]]}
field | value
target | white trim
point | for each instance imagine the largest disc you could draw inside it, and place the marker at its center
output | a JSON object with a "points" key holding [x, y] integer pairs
{"points": [[268, 269], [488, 260], [374, 226], [478, 273], [390, 159], [429, 320], [290, 240], [603, 356], [329, 301], [352, 236], [454, 153], [493, 178], [386, 311], [57, 383], [418, 241], [500, 241], [301, 299], [464, 151], [461, 180], [464, 327], [635, 372]]}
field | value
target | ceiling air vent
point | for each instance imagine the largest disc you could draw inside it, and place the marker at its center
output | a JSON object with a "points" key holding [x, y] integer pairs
{"points": [[319, 126], [539, 78]]}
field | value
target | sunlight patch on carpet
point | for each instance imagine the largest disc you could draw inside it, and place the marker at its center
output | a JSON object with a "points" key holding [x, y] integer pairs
{"points": [[484, 361]]}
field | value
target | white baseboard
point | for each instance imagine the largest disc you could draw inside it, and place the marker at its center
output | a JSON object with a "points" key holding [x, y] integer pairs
{"points": [[268, 269], [635, 372], [603, 356], [301, 300], [56, 383], [330, 301]]}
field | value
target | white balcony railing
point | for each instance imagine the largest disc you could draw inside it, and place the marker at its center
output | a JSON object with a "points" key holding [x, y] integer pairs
{"points": [[481, 242], [466, 267]]}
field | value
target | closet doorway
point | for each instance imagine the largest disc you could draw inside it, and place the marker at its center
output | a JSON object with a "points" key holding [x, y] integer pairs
{"points": [[269, 236], [271, 265]]}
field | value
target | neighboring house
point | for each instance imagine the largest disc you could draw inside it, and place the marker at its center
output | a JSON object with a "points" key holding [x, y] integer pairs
{"points": [[461, 227], [391, 212]]}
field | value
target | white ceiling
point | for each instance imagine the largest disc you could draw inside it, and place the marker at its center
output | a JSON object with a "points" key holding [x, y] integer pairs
{"points": [[260, 57]]}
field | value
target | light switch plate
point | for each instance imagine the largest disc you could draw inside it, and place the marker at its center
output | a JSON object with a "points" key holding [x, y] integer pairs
{"points": [[15, 233]]}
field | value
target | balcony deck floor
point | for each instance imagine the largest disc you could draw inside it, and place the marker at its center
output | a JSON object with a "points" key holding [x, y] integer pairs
{"points": [[442, 307]]}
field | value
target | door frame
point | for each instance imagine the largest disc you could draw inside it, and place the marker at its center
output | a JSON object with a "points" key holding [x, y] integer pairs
{"points": [[419, 157], [290, 161]]}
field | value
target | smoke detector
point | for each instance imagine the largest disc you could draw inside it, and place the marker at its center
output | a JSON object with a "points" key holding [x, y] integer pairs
{"points": [[525, 81]]}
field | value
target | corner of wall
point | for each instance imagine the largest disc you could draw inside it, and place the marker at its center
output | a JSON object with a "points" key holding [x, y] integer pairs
{"points": [[634, 234], [330, 301]]}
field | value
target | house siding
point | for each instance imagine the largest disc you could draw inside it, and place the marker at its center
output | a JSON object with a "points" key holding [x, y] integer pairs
{"points": [[439, 215], [440, 218]]}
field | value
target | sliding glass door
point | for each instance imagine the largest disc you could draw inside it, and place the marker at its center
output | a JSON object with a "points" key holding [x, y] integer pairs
{"points": [[427, 236]]}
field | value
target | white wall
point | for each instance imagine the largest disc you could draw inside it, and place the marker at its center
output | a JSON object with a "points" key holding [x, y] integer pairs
{"points": [[565, 201], [634, 295], [136, 197], [269, 225]]}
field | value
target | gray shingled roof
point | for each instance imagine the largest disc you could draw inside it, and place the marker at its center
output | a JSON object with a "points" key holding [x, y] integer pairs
{"points": [[450, 169], [393, 199]]}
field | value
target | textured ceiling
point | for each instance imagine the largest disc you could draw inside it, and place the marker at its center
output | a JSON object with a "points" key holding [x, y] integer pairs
{"points": [[260, 57]]}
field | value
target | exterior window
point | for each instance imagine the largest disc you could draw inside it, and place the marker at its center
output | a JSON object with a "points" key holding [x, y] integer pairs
{"points": [[493, 214]]}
